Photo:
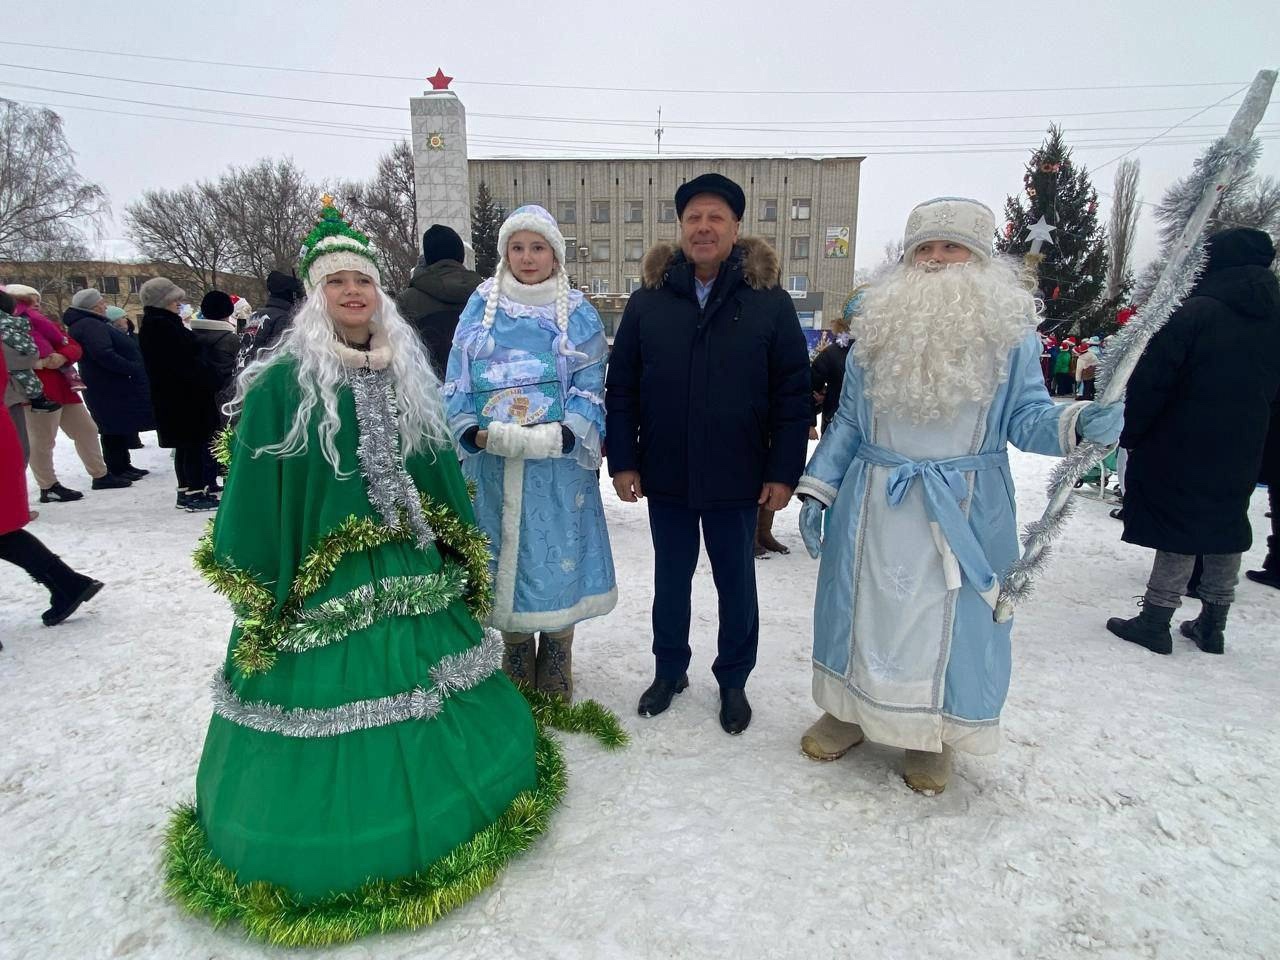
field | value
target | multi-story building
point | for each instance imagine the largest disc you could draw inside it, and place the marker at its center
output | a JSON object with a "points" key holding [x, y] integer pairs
{"points": [[612, 211]]}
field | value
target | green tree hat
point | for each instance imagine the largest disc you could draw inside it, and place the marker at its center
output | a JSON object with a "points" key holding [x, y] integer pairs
{"points": [[333, 245]]}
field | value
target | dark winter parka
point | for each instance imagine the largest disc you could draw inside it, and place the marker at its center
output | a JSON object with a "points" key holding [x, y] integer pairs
{"points": [[433, 302], [115, 379], [182, 381], [827, 373], [1198, 406], [709, 404], [266, 324]]}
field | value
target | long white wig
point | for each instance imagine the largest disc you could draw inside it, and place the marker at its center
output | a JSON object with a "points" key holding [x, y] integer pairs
{"points": [[931, 339], [311, 340]]}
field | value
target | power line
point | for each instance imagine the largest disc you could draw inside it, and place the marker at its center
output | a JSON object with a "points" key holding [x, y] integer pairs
{"points": [[1170, 130], [401, 131], [568, 86]]}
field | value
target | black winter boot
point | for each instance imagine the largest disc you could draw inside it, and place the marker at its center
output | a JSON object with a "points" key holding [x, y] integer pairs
{"points": [[67, 589], [59, 493], [1149, 629], [1269, 575], [1206, 629]]}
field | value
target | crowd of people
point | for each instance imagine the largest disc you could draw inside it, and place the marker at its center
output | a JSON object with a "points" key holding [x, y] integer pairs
{"points": [[412, 525]]}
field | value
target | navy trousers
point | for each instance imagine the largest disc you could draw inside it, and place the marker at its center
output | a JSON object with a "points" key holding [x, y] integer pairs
{"points": [[729, 536]]}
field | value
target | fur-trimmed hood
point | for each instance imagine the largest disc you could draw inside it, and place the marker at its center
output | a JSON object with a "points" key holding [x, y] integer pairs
{"points": [[761, 268]]}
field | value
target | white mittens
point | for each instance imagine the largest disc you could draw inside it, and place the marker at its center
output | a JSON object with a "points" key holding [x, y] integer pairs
{"points": [[538, 442]]}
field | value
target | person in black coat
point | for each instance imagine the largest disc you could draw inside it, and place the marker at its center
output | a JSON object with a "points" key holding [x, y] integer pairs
{"points": [[707, 415], [182, 389], [1270, 475], [115, 379], [1195, 422], [267, 323], [437, 292], [827, 370]]}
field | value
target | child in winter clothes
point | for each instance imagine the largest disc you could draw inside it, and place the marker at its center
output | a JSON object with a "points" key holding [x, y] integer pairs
{"points": [[15, 332], [524, 394]]}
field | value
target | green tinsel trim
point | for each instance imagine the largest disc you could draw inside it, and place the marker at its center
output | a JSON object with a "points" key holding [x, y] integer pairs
{"points": [[223, 441], [585, 716], [197, 880], [263, 628]]}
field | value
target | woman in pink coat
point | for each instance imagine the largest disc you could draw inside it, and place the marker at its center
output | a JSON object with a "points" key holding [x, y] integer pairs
{"points": [[67, 589]]}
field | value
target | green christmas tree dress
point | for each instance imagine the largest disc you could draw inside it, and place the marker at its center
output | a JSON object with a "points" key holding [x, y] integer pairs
{"points": [[368, 765]]}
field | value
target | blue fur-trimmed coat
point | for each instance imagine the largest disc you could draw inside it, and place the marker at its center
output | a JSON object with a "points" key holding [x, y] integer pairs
{"points": [[915, 662], [551, 560]]}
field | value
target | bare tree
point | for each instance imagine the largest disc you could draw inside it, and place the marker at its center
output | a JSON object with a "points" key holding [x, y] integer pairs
{"points": [[265, 210], [385, 208], [43, 198], [182, 226], [1122, 230]]}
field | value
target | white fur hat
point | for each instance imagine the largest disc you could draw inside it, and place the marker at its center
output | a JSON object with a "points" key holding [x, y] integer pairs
{"points": [[535, 218], [957, 219]]}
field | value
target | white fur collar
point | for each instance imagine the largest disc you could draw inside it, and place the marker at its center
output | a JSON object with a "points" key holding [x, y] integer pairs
{"points": [[378, 356], [530, 294], [203, 323]]}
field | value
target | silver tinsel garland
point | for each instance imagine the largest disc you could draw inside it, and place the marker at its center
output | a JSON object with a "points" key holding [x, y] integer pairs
{"points": [[391, 490], [1218, 165], [409, 596], [454, 673]]}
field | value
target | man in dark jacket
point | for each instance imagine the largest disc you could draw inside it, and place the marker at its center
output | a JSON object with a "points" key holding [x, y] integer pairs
{"points": [[266, 324], [1270, 475], [708, 412], [437, 292], [1195, 420], [115, 380]]}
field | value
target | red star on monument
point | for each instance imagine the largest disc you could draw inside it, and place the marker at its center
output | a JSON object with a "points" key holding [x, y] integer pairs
{"points": [[439, 81]]}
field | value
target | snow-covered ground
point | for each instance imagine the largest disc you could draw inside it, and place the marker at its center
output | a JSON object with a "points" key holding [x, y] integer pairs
{"points": [[1132, 813]]}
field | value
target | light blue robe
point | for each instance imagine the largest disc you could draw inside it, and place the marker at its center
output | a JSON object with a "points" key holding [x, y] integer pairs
{"points": [[550, 559], [905, 643]]}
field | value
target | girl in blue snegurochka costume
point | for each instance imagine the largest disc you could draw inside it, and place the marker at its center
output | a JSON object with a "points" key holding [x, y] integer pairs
{"points": [[524, 392]]}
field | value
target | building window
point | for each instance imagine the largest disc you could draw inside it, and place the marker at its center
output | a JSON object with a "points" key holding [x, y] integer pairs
{"points": [[667, 211], [135, 283], [599, 211], [634, 250], [800, 208], [798, 283], [633, 284], [769, 211], [808, 319], [635, 211], [599, 285], [111, 285], [567, 211], [77, 283], [599, 249], [570, 247], [799, 248]]}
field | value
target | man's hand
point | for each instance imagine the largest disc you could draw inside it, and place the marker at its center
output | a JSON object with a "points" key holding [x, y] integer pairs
{"points": [[627, 485], [773, 496], [813, 433]]}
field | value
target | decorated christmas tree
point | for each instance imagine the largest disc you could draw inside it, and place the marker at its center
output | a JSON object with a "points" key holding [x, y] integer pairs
{"points": [[1060, 211]]}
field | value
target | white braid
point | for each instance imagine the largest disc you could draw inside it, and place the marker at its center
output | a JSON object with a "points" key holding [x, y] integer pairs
{"points": [[562, 302], [491, 302]]}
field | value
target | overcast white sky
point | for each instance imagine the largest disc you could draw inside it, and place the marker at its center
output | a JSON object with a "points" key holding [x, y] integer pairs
{"points": [[838, 62]]}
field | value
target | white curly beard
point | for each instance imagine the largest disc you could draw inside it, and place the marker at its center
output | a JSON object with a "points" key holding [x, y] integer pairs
{"points": [[931, 340]]}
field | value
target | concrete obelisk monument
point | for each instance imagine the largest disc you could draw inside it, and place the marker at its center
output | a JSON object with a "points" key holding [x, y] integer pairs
{"points": [[441, 179]]}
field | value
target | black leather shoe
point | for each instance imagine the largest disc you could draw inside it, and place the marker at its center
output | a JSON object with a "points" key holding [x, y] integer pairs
{"points": [[133, 473], [59, 493], [110, 481], [658, 697], [735, 712]]}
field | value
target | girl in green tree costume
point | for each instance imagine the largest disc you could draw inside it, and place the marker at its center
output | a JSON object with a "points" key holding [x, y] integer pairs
{"points": [[368, 765]]}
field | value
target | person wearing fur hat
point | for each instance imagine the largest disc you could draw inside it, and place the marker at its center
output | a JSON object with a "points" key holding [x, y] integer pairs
{"points": [[265, 325], [182, 390], [709, 407], [116, 387], [525, 395], [437, 292], [943, 376], [363, 730]]}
